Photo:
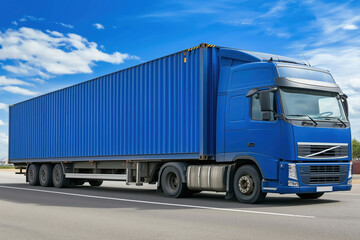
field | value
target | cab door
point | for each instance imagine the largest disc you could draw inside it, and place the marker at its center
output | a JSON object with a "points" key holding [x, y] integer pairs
{"points": [[264, 134], [250, 132], [242, 79], [263, 128]]}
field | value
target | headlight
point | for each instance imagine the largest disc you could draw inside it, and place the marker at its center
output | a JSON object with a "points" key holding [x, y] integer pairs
{"points": [[350, 170], [292, 171]]}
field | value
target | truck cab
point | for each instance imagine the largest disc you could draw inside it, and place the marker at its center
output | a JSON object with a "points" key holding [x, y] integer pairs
{"points": [[287, 118]]}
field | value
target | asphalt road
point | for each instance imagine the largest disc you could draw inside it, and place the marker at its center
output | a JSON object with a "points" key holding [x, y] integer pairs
{"points": [[116, 211]]}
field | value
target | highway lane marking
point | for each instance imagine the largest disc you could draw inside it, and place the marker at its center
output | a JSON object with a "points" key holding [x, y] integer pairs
{"points": [[161, 203], [350, 194]]}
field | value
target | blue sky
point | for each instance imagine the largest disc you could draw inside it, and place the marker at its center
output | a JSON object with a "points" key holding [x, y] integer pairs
{"points": [[47, 45]]}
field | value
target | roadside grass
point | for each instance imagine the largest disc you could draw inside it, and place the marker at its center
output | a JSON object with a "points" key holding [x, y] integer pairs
{"points": [[7, 167]]}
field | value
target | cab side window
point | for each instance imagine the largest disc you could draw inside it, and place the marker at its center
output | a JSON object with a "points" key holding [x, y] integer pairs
{"points": [[256, 113]]}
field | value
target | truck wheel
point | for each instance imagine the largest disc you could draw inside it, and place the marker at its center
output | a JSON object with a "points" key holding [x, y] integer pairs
{"points": [[45, 175], [247, 185], [171, 183], [310, 195], [77, 182], [191, 192], [33, 175], [58, 177], [95, 183]]}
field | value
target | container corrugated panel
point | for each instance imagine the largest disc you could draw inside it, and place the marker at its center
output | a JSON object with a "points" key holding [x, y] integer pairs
{"points": [[154, 109]]}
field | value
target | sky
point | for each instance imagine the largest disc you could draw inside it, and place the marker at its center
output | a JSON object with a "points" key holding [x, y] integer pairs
{"points": [[48, 45]]}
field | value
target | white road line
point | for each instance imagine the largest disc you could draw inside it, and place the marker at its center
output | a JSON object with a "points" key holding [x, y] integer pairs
{"points": [[161, 203], [349, 194]]}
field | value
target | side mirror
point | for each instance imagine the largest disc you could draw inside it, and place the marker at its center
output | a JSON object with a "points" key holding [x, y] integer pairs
{"points": [[264, 97]]}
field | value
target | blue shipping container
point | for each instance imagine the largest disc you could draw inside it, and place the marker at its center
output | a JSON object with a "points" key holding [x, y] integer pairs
{"points": [[162, 109]]}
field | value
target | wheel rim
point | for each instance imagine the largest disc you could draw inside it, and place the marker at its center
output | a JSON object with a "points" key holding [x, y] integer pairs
{"points": [[173, 181], [246, 185], [31, 175], [57, 175], [43, 175]]}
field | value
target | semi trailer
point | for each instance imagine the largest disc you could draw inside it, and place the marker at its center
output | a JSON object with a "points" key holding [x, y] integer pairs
{"points": [[207, 118]]}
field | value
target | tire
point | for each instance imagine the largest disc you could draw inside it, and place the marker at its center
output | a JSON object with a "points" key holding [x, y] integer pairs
{"points": [[171, 183], [77, 182], [191, 192], [95, 183], [45, 175], [58, 176], [310, 195], [247, 185], [33, 175]]}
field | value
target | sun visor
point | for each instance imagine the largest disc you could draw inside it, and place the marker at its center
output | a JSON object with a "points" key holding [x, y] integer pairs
{"points": [[308, 84]]}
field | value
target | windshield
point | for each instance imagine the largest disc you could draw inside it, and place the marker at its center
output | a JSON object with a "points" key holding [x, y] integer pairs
{"points": [[305, 74], [304, 104]]}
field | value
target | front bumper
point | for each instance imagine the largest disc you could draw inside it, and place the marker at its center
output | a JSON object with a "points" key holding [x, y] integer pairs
{"points": [[306, 176], [307, 189]]}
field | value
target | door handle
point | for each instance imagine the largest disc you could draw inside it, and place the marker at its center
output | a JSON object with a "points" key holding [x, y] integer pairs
{"points": [[251, 144]]}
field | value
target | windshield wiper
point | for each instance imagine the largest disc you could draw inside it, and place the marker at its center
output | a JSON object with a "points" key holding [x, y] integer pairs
{"points": [[341, 121], [300, 115]]}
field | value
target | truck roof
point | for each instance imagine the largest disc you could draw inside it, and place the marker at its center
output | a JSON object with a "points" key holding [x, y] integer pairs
{"points": [[261, 57], [264, 57]]}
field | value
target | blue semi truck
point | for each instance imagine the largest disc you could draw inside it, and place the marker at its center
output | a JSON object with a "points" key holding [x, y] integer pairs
{"points": [[207, 118]]}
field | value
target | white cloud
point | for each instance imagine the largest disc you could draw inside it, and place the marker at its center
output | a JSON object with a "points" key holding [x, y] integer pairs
{"points": [[18, 90], [31, 18], [276, 9], [3, 106], [350, 27], [2, 123], [278, 33], [98, 26], [3, 138], [35, 52], [38, 80], [333, 19], [55, 33], [4, 81], [65, 25], [15, 23], [25, 69]]}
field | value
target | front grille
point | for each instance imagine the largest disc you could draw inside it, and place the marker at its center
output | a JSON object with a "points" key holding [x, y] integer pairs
{"points": [[325, 169], [324, 180], [323, 174], [322, 150]]}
